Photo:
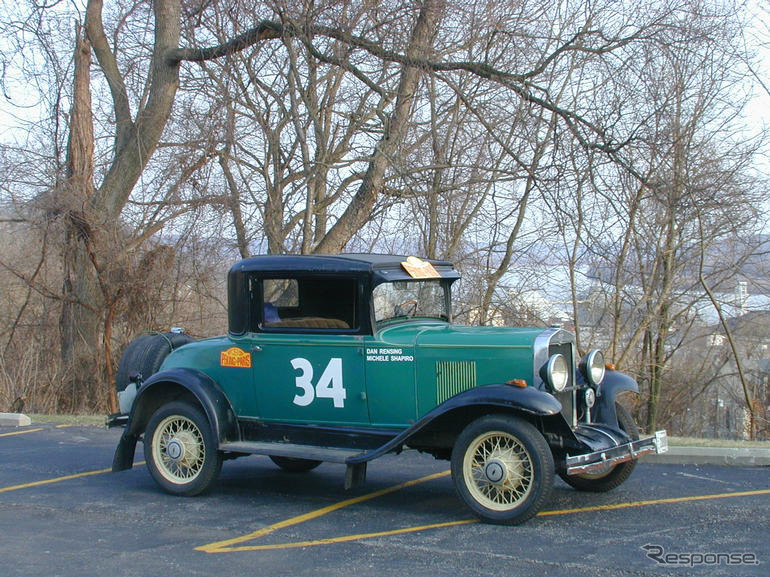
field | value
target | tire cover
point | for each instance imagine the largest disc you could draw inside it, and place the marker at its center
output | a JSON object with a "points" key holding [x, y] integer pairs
{"points": [[146, 354]]}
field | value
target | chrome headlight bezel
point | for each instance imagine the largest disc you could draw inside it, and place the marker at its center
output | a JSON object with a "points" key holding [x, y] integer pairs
{"points": [[592, 367], [589, 397], [556, 372]]}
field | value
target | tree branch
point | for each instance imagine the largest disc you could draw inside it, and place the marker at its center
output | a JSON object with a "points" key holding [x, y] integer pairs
{"points": [[95, 32], [265, 30]]}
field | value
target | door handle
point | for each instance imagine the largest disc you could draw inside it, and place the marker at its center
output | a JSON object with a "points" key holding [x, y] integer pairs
{"points": [[256, 349]]}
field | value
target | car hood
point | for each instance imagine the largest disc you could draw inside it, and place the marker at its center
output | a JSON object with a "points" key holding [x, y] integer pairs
{"points": [[439, 334]]}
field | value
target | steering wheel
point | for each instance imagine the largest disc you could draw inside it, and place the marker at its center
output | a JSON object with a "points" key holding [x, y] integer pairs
{"points": [[406, 309]]}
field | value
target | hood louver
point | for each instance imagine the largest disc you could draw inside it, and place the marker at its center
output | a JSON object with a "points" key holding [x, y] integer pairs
{"points": [[453, 377]]}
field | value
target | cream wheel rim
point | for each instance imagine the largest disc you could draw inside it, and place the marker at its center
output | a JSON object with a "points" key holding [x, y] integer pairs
{"points": [[178, 450], [497, 470]]}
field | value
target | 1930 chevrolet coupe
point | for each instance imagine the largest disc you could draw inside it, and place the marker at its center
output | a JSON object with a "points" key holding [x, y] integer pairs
{"points": [[346, 358]]}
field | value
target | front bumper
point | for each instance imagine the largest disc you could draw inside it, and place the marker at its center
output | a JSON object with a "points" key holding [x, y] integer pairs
{"points": [[600, 461]]}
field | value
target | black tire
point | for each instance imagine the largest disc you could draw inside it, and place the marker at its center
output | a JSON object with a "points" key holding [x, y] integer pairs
{"points": [[146, 354], [615, 476], [295, 465], [502, 469], [181, 449]]}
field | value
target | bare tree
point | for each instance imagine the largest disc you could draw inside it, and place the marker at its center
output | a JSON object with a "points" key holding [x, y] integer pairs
{"points": [[488, 128], [692, 164]]}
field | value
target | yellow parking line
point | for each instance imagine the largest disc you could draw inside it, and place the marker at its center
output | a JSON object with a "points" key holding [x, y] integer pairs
{"points": [[632, 504], [58, 479], [333, 540], [221, 546], [24, 432], [234, 545]]}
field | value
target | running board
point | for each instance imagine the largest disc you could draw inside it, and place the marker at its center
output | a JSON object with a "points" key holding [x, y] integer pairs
{"points": [[354, 476], [327, 454]]}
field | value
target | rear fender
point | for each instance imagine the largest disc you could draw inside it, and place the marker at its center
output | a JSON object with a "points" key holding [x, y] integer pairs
{"points": [[167, 386]]}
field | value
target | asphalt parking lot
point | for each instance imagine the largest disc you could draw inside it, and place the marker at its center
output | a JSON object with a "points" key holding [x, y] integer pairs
{"points": [[62, 512]]}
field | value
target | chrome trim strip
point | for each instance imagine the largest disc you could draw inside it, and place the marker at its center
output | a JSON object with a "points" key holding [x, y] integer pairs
{"points": [[540, 356], [540, 350]]}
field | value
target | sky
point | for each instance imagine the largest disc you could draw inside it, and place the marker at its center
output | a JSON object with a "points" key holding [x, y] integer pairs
{"points": [[758, 40], [16, 106]]}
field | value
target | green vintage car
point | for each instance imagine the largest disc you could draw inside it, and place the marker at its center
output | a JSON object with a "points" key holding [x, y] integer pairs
{"points": [[346, 358]]}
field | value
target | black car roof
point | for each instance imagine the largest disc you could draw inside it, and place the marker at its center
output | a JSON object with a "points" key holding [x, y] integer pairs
{"points": [[383, 266]]}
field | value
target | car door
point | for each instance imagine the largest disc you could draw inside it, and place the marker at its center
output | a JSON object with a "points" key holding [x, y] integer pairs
{"points": [[310, 379], [307, 355]]}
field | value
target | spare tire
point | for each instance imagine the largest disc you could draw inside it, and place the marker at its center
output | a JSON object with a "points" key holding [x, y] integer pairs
{"points": [[146, 354]]}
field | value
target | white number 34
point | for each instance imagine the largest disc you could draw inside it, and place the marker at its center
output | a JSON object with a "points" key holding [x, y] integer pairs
{"points": [[329, 386]]}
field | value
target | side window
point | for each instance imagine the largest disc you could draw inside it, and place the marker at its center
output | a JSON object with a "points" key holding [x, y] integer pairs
{"points": [[314, 304]]}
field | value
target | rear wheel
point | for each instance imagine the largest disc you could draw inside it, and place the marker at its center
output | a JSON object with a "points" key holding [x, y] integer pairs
{"points": [[613, 476], [295, 465], [503, 469], [181, 449]]}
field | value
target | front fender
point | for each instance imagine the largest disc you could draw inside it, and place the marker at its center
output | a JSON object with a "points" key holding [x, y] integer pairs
{"points": [[529, 400], [508, 398], [614, 383], [167, 386]]}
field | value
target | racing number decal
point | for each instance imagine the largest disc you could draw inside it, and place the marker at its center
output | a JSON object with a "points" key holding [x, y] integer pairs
{"points": [[329, 386], [304, 382]]}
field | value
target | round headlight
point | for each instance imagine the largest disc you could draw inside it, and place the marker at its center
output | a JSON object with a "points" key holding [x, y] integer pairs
{"points": [[592, 367], [557, 372], [590, 398]]}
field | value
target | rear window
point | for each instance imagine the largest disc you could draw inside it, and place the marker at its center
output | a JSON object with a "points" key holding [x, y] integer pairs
{"points": [[309, 304]]}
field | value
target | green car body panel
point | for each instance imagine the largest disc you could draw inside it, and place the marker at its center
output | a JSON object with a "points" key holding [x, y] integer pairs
{"points": [[391, 379]]}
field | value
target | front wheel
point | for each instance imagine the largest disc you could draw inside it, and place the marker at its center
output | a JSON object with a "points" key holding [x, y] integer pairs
{"points": [[503, 469], [181, 449], [615, 475]]}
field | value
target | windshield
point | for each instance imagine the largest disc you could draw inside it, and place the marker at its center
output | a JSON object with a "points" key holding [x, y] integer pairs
{"points": [[403, 299]]}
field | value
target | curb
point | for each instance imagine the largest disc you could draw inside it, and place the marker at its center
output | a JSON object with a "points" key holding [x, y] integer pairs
{"points": [[739, 457], [14, 420]]}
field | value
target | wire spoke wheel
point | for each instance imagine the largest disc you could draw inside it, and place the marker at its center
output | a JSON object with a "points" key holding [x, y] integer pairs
{"points": [[502, 468], [181, 449], [178, 443], [498, 470]]}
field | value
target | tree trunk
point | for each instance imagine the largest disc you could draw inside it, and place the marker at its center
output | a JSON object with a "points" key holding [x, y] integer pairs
{"points": [[80, 320], [358, 211]]}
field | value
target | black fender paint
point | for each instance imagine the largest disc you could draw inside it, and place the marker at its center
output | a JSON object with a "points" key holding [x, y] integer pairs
{"points": [[614, 383], [212, 399], [509, 398]]}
